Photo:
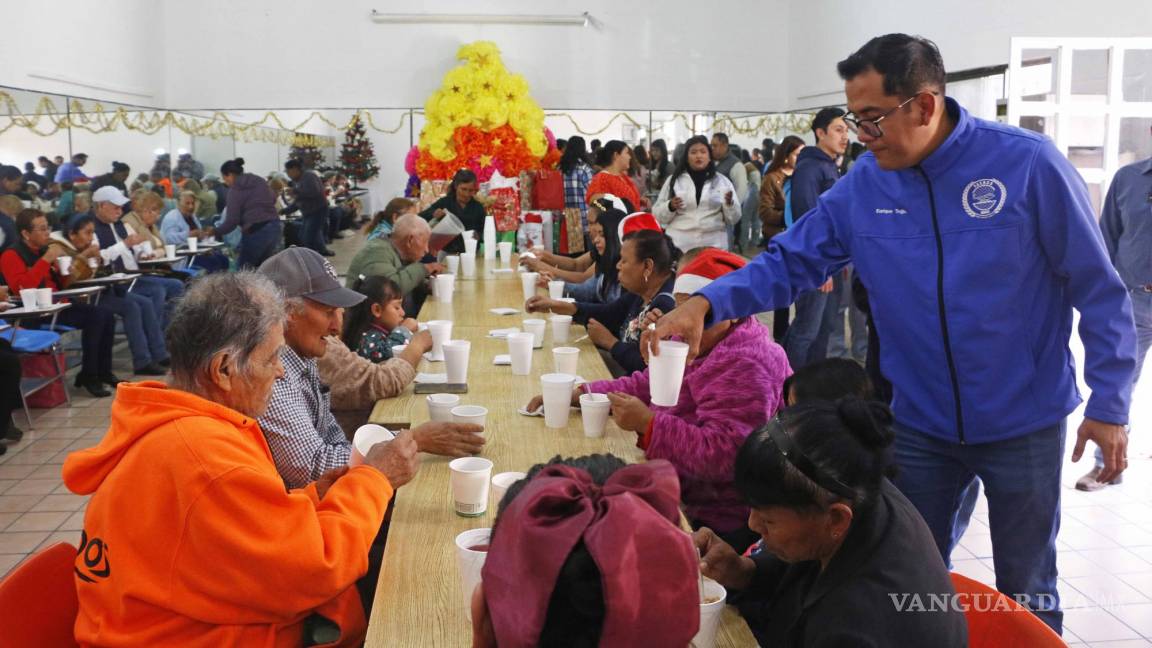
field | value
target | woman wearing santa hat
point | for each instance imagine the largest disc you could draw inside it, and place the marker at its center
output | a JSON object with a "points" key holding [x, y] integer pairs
{"points": [[697, 205], [645, 272]]}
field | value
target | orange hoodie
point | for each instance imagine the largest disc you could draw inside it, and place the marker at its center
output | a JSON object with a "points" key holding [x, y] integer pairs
{"points": [[191, 538]]}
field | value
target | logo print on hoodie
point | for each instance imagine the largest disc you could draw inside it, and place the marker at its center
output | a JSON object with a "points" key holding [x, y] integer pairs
{"points": [[95, 554], [984, 198]]}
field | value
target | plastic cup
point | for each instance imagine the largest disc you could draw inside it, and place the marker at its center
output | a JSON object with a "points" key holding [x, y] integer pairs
{"points": [[93, 263], [666, 373], [65, 264], [557, 391], [567, 359], [367, 436], [474, 414], [445, 286], [469, 478], [556, 289], [710, 613], [520, 348], [471, 552], [528, 283], [169, 251], [536, 328], [468, 265], [470, 243], [440, 406], [501, 482], [594, 410], [453, 262], [456, 354], [561, 326], [43, 297], [28, 298], [441, 332], [193, 244], [505, 249], [398, 349]]}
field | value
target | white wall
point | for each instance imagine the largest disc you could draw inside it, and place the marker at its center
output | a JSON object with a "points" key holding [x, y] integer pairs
{"points": [[971, 34], [111, 50]]}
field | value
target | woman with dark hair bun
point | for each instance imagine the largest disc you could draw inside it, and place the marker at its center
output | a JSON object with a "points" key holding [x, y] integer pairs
{"points": [[251, 207], [614, 160], [846, 558], [460, 200]]}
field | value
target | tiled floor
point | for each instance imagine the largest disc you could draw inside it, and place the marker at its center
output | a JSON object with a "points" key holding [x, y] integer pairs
{"points": [[1105, 542]]}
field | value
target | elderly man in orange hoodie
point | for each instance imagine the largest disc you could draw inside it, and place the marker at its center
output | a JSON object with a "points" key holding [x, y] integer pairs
{"points": [[190, 537]]}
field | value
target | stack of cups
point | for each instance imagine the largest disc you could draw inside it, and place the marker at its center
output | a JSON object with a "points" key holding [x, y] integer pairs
{"points": [[557, 391], [471, 552], [505, 248], [441, 331], [528, 283], [536, 328], [445, 286], [456, 354], [556, 289], [367, 436], [594, 414], [453, 263], [712, 600], [440, 406], [469, 478], [666, 372], [468, 259], [567, 359], [520, 348], [561, 325]]}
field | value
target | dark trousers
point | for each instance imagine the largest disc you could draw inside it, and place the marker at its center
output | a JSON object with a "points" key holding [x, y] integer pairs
{"points": [[259, 244], [10, 375], [312, 226], [780, 318], [97, 325]]}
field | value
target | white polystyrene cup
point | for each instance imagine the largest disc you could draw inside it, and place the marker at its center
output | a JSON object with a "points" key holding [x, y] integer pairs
{"points": [[594, 409], [468, 265], [505, 248], [453, 261], [561, 326], [445, 286], [43, 297], [440, 406], [501, 482], [398, 349], [666, 372], [555, 289], [193, 244], [528, 284], [520, 348], [557, 392], [567, 360], [710, 614], [536, 328], [470, 562], [441, 332], [367, 436], [470, 243], [456, 354], [469, 478], [28, 298], [474, 414], [65, 264], [169, 251]]}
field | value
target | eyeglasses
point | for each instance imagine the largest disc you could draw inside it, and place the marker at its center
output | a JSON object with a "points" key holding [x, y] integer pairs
{"points": [[871, 127]]}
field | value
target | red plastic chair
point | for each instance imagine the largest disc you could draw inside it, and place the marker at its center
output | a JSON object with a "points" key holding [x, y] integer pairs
{"points": [[995, 620], [38, 603]]}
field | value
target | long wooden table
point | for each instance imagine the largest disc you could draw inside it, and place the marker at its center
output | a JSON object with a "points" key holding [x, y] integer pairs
{"points": [[418, 599]]}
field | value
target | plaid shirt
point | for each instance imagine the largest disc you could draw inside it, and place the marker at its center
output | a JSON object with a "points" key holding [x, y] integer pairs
{"points": [[576, 189], [302, 433]]}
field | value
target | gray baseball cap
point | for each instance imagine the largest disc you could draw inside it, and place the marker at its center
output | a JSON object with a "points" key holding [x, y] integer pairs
{"points": [[301, 272]]}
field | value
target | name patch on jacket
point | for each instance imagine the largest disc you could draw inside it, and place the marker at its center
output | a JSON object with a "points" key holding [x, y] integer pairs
{"points": [[94, 553], [984, 198]]}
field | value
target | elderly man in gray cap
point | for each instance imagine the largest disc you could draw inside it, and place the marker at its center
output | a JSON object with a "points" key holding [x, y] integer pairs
{"points": [[302, 433]]}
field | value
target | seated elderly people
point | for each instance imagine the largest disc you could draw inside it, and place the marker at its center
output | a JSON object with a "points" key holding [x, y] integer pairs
{"points": [[182, 223], [217, 552], [731, 388], [398, 258], [587, 552], [302, 432], [839, 540]]}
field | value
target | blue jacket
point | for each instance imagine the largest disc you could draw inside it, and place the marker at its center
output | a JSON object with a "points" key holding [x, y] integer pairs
{"points": [[815, 173], [973, 262]]}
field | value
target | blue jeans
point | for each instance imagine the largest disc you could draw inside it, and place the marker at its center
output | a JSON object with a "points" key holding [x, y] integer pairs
{"points": [[1142, 313], [163, 292], [587, 291], [858, 322], [807, 338], [1021, 478], [312, 228], [141, 326], [257, 246]]}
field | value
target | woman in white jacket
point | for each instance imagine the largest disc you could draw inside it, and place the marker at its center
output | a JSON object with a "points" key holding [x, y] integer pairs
{"points": [[697, 205]]}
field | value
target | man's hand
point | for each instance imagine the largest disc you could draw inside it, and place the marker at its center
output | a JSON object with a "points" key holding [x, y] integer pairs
{"points": [[134, 240], [397, 459], [629, 412], [828, 286], [439, 213], [538, 304], [600, 335], [434, 269], [1113, 442], [449, 439], [51, 254], [327, 479], [720, 562], [686, 321]]}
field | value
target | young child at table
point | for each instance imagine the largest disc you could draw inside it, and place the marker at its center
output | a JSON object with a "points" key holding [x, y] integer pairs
{"points": [[375, 325]]}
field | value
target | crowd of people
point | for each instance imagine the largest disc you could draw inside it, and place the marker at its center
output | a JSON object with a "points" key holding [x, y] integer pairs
{"points": [[819, 472]]}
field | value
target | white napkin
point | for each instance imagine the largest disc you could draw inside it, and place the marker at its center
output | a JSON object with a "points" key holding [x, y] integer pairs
{"points": [[502, 333], [503, 311], [523, 411], [429, 358], [501, 270], [434, 378], [502, 359]]}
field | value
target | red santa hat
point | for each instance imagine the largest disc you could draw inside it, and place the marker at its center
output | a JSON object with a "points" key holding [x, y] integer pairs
{"points": [[639, 221], [710, 264]]}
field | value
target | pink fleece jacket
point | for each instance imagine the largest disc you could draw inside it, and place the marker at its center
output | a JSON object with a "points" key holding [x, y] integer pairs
{"points": [[726, 395]]}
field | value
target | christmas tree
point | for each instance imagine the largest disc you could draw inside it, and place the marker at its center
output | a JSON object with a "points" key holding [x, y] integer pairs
{"points": [[310, 156], [357, 158]]}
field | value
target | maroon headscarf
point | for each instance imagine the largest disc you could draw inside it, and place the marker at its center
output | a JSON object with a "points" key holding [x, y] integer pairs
{"points": [[648, 566]]}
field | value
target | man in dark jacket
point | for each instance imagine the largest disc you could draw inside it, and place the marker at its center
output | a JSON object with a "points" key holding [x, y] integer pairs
{"points": [[807, 338], [313, 206], [116, 178]]}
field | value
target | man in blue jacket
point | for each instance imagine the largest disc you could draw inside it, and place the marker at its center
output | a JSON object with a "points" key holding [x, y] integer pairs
{"points": [[975, 242]]}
